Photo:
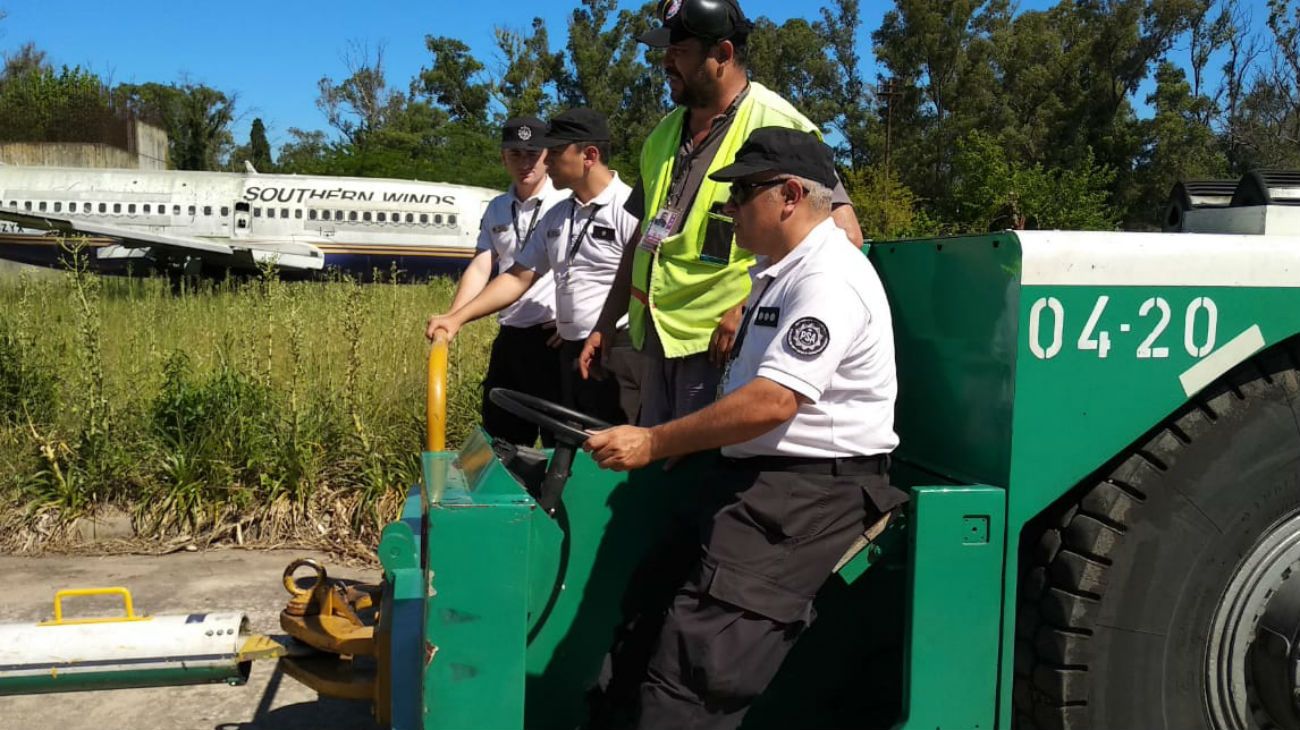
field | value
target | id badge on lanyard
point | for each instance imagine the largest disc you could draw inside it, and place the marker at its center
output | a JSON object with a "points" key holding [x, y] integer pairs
{"points": [[663, 225], [564, 301], [564, 309]]}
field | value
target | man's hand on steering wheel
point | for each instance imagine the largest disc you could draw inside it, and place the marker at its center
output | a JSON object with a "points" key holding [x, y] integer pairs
{"points": [[621, 448]]}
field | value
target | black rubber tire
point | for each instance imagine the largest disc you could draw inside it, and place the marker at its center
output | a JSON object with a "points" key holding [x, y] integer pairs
{"points": [[1119, 581]]}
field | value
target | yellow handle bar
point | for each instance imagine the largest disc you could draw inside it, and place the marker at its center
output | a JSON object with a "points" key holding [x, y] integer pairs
{"points": [[82, 592], [436, 396]]}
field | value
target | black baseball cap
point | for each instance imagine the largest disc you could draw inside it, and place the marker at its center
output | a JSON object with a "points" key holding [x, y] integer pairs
{"points": [[576, 125], [523, 133], [784, 151], [709, 20]]}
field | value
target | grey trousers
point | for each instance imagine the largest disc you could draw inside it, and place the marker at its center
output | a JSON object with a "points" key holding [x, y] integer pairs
{"points": [[674, 387], [628, 367]]}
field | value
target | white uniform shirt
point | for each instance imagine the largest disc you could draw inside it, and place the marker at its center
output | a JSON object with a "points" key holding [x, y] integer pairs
{"points": [[504, 230], [818, 323], [582, 245]]}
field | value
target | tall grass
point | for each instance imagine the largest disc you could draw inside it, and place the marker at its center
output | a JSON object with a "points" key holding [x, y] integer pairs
{"points": [[251, 411]]}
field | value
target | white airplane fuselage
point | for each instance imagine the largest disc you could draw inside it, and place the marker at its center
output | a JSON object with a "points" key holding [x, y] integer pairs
{"points": [[355, 224]]}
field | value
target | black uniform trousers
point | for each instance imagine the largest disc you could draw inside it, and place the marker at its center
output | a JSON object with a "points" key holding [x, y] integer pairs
{"points": [[598, 398], [521, 361], [711, 614]]}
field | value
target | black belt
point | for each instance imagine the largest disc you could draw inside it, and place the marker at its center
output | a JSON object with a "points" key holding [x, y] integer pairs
{"points": [[838, 465]]}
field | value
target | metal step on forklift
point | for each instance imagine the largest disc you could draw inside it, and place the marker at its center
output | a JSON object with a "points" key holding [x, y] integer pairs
{"points": [[1101, 437]]}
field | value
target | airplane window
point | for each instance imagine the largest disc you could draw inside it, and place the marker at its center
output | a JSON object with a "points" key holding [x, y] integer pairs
{"points": [[257, 212], [58, 207], [27, 205], [382, 217], [117, 207], [297, 213], [103, 208], [451, 220], [284, 212], [225, 211], [270, 212], [42, 206], [437, 220], [424, 218], [366, 216], [352, 215], [131, 208], [410, 217], [311, 215], [72, 207], [146, 207], [207, 210], [192, 210], [176, 210]]}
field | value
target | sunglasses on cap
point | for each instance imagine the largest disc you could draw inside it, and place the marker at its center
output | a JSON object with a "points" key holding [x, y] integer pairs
{"points": [[707, 19]]}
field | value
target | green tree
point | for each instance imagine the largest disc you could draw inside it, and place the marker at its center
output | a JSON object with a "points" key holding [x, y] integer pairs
{"points": [[927, 48], [1181, 145], [885, 207], [259, 149], [606, 71], [44, 105], [306, 152], [196, 117], [27, 59], [530, 71], [455, 81], [1265, 125], [993, 191], [363, 103], [852, 114], [791, 60]]}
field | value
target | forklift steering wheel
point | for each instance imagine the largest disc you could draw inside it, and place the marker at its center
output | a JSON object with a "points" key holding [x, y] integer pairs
{"points": [[569, 426]]}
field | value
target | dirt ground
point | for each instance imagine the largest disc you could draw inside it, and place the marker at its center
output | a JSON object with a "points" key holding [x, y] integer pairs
{"points": [[181, 583]]}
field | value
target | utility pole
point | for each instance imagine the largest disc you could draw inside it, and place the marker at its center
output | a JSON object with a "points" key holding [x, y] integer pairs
{"points": [[887, 90]]}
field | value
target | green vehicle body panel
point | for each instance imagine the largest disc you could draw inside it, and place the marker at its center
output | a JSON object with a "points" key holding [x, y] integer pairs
{"points": [[951, 643], [985, 394], [1006, 403]]}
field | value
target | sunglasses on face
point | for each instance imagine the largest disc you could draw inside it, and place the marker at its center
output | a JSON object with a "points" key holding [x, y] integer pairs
{"points": [[743, 192]]}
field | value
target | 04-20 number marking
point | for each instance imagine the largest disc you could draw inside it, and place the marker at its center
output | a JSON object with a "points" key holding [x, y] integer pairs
{"points": [[1200, 328]]}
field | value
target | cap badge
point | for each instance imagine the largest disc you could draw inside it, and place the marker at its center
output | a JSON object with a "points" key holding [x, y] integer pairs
{"points": [[674, 7], [525, 133], [808, 337]]}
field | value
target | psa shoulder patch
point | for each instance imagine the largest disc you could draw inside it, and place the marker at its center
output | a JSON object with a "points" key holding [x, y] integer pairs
{"points": [[808, 336]]}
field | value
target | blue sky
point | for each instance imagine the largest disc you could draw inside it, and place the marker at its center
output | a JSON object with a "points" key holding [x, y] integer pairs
{"points": [[271, 54]]}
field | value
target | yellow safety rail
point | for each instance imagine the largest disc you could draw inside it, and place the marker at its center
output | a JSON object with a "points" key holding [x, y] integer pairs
{"points": [[436, 396], [82, 592]]}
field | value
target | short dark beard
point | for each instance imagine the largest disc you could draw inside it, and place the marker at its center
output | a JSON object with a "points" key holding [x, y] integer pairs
{"points": [[698, 91]]}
